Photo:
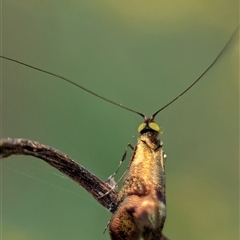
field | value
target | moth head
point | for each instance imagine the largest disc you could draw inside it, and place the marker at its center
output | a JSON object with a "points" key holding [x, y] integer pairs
{"points": [[148, 125]]}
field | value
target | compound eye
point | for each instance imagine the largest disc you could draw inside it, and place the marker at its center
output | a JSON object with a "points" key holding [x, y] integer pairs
{"points": [[154, 126], [141, 127]]}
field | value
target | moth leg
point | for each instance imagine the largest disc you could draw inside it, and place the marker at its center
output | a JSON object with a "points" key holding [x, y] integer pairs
{"points": [[122, 159], [110, 181]]}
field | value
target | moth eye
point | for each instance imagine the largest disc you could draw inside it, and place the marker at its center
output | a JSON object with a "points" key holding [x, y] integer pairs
{"points": [[141, 127], [154, 126]]}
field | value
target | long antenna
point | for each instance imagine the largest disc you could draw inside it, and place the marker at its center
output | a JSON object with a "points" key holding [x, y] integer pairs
{"points": [[112, 102], [73, 83], [215, 60]]}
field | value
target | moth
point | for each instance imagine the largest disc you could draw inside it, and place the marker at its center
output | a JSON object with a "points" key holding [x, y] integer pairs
{"points": [[141, 202], [29, 111]]}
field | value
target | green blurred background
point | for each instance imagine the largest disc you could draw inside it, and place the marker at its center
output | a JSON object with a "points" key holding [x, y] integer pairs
{"points": [[138, 53]]}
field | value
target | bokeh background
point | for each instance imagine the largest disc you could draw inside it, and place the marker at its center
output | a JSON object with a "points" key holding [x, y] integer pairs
{"points": [[138, 53]]}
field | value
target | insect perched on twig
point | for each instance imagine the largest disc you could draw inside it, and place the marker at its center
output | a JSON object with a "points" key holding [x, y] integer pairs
{"points": [[140, 209]]}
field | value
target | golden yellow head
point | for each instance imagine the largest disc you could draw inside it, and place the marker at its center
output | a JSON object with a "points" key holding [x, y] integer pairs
{"points": [[148, 126]]}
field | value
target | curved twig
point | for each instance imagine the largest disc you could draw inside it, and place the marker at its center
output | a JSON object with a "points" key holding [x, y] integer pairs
{"points": [[63, 163]]}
